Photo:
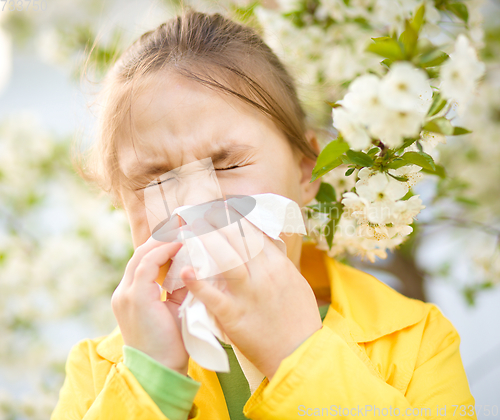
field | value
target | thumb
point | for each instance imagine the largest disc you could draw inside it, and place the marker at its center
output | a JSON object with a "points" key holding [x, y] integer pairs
{"points": [[215, 300]]}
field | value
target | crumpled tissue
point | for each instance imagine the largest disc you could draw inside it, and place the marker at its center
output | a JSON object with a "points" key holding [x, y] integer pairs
{"points": [[272, 214]]}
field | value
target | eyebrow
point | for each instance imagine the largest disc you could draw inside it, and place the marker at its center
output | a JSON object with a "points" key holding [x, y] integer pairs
{"points": [[231, 152]]}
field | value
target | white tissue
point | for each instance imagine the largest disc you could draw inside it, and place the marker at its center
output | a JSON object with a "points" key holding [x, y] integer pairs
{"points": [[272, 214]]}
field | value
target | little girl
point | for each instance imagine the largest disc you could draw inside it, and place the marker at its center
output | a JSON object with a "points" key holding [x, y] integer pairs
{"points": [[330, 339]]}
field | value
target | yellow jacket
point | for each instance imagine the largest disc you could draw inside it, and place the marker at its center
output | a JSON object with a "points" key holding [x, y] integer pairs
{"points": [[377, 352]]}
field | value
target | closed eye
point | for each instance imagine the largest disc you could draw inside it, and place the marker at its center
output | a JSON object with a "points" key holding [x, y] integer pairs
{"points": [[225, 169], [153, 184]]}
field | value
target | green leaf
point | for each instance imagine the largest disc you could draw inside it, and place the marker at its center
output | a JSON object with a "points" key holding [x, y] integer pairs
{"points": [[332, 151], [244, 13], [439, 125], [406, 143], [470, 292], [331, 232], [333, 104], [397, 163], [359, 158], [438, 104], [418, 19], [421, 159], [399, 178], [332, 223], [382, 38], [407, 196], [386, 47], [326, 193], [459, 10], [409, 39], [467, 201], [440, 171], [319, 172], [373, 151], [349, 171], [345, 160], [433, 58], [432, 72], [387, 62], [457, 131], [328, 158], [425, 46]]}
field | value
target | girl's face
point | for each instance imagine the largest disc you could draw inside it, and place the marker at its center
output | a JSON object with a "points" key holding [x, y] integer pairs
{"points": [[180, 121]]}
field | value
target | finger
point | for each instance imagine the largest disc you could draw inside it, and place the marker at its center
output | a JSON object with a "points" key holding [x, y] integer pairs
{"points": [[215, 300], [148, 268], [228, 261], [139, 253], [174, 301], [173, 307]]}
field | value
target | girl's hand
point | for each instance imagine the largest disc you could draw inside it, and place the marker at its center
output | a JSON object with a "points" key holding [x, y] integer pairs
{"points": [[267, 308], [147, 323]]}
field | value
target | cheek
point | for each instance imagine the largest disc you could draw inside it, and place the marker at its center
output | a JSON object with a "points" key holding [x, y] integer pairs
{"points": [[136, 215], [286, 178]]}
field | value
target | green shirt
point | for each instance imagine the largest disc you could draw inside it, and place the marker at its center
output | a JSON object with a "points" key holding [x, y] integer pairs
{"points": [[174, 393]]}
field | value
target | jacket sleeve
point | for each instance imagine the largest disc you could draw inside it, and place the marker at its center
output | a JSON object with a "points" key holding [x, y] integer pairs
{"points": [[172, 392], [325, 377], [98, 389]]}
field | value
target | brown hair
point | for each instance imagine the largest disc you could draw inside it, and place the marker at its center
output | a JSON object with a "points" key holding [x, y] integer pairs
{"points": [[210, 49]]}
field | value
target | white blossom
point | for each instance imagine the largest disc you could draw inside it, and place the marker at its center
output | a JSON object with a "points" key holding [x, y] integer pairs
{"points": [[406, 88], [431, 28], [364, 174], [389, 14], [412, 172], [380, 218], [363, 99], [394, 126], [49, 46], [460, 73], [390, 108], [432, 139], [382, 187], [405, 210], [336, 9], [336, 177], [287, 6], [351, 129]]}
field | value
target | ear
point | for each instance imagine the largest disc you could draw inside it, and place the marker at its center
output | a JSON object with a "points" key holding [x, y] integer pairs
{"points": [[309, 189]]}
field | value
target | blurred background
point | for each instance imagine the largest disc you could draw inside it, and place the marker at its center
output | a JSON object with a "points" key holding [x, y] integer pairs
{"points": [[64, 247]]}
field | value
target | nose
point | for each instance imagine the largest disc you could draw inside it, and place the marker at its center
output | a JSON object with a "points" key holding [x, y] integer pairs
{"points": [[191, 184], [196, 186]]}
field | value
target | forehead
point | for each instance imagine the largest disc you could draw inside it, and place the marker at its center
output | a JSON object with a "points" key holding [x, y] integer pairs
{"points": [[178, 121]]}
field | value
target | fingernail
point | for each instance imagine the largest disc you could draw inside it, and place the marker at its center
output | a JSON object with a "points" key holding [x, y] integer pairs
{"points": [[190, 274]]}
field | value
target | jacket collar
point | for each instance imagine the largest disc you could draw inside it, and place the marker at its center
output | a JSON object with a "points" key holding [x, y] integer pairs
{"points": [[361, 306], [111, 347], [370, 307]]}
